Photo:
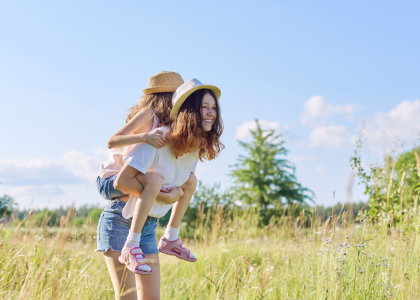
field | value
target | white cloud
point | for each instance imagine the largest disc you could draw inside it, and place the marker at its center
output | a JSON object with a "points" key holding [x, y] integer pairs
{"points": [[74, 167], [317, 111], [329, 137], [83, 166], [36, 190], [321, 170], [400, 122], [297, 159], [243, 134]]}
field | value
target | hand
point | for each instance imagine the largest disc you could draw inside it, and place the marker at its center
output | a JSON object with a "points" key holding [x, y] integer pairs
{"points": [[174, 194], [155, 138], [166, 190]]}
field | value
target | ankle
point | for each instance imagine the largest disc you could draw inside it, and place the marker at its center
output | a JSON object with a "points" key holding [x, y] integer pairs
{"points": [[133, 240], [171, 233]]}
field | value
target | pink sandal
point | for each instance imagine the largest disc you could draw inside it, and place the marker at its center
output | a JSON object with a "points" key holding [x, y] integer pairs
{"points": [[175, 248], [133, 258]]}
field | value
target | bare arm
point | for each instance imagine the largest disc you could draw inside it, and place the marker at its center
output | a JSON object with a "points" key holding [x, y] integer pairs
{"points": [[137, 131], [128, 182], [170, 197]]}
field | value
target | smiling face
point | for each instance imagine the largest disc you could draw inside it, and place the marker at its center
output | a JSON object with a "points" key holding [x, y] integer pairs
{"points": [[208, 111], [198, 126]]}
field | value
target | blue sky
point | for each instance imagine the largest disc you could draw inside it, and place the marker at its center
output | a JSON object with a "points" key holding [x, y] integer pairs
{"points": [[311, 70]]}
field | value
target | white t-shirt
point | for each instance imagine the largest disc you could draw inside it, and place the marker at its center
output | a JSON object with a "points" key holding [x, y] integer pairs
{"points": [[174, 171]]}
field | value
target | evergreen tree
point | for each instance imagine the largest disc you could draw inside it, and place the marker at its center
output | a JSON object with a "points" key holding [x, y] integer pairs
{"points": [[7, 205], [263, 177]]}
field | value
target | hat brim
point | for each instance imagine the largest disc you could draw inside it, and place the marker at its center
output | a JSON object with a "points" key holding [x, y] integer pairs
{"points": [[184, 96], [159, 89]]}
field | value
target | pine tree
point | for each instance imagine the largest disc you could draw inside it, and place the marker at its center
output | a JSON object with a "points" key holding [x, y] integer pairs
{"points": [[263, 177], [7, 205]]}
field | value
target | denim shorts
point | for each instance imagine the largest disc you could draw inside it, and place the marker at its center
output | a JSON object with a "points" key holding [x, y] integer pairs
{"points": [[106, 187], [113, 230]]}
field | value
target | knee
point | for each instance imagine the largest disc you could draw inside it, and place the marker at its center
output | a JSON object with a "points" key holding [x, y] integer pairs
{"points": [[119, 183], [153, 181], [191, 183]]}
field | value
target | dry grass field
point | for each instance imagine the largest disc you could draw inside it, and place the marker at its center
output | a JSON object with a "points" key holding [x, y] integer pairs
{"points": [[237, 260]]}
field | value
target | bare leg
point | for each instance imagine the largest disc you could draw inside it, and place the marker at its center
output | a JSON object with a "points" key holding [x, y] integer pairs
{"points": [[124, 281], [151, 182], [148, 286], [180, 207], [128, 182]]}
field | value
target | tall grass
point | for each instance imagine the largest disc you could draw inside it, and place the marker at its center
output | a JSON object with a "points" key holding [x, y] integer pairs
{"points": [[336, 259]]}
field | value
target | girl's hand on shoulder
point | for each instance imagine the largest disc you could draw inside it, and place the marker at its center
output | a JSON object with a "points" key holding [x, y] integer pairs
{"points": [[155, 138]]}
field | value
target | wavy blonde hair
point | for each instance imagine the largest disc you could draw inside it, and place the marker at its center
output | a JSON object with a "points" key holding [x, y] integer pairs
{"points": [[160, 103], [186, 134]]}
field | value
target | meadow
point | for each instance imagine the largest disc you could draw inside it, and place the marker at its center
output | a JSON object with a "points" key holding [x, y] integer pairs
{"points": [[293, 257]]}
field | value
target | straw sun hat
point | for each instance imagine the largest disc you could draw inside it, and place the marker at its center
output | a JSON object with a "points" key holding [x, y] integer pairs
{"points": [[163, 82], [189, 87]]}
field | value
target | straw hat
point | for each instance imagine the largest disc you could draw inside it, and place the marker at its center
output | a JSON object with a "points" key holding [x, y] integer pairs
{"points": [[189, 87], [163, 82]]}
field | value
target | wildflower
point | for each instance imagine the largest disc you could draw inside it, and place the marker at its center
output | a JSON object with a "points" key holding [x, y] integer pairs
{"points": [[309, 240], [347, 236], [384, 259], [285, 257], [251, 269], [39, 237], [377, 265], [384, 264], [344, 253]]}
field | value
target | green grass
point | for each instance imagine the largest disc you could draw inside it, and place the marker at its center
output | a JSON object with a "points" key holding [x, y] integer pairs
{"points": [[236, 260]]}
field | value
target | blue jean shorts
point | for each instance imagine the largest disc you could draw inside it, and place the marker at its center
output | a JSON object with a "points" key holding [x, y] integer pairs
{"points": [[113, 230], [106, 188]]}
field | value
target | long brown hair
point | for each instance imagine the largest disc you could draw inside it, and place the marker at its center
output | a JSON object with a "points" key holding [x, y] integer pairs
{"points": [[186, 133], [160, 103]]}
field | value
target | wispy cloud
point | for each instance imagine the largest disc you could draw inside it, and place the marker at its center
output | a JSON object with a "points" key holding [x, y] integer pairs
{"points": [[243, 134], [400, 122], [74, 167], [321, 170], [36, 190], [329, 137], [318, 111], [302, 158]]}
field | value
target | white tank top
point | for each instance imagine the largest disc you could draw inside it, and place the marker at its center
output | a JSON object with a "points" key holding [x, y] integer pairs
{"points": [[115, 162]]}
